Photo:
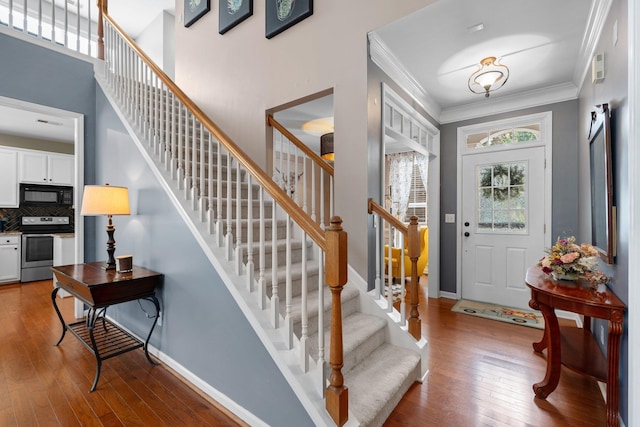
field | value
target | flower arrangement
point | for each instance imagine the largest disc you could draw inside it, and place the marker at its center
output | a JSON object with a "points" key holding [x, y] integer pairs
{"points": [[568, 260]]}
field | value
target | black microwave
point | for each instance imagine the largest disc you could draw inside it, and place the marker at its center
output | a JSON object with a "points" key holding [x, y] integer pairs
{"points": [[45, 195]]}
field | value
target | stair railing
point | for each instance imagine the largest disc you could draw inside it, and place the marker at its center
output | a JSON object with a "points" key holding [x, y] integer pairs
{"points": [[225, 188], [390, 233], [305, 176], [69, 25]]}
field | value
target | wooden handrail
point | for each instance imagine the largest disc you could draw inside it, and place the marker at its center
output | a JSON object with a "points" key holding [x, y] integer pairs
{"points": [[374, 207], [306, 150], [305, 222]]}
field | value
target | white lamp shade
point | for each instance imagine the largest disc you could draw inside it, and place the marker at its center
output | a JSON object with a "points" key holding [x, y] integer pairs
{"points": [[105, 200]]}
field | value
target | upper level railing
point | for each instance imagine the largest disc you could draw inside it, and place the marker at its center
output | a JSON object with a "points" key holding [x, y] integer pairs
{"points": [[390, 245], [305, 176], [71, 25], [263, 231]]}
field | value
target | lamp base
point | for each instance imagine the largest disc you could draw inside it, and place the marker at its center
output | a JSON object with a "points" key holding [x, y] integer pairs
{"points": [[108, 266]]}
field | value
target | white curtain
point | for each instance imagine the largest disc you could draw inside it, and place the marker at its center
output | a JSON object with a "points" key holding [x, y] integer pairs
{"points": [[423, 166], [400, 171]]}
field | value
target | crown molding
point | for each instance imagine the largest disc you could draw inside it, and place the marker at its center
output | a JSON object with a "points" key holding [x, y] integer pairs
{"points": [[597, 18], [533, 98], [382, 56]]}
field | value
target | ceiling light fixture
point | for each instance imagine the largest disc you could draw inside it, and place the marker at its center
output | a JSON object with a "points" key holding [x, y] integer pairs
{"points": [[489, 77]]}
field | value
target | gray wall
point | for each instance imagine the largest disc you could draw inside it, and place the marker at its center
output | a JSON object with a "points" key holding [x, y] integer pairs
{"points": [[203, 329], [565, 180], [39, 75], [613, 91]]}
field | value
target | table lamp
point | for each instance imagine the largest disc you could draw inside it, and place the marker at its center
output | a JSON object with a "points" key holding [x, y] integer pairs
{"points": [[106, 200]]}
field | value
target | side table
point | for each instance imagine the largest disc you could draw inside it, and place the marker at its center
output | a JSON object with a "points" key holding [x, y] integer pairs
{"points": [[574, 347], [98, 289]]}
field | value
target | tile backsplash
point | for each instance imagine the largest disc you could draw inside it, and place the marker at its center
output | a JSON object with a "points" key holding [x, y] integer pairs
{"points": [[13, 215]]}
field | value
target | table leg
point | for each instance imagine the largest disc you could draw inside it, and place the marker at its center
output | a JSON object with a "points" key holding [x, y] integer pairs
{"points": [[155, 302], [613, 352], [92, 317], [552, 331], [55, 306], [539, 346]]}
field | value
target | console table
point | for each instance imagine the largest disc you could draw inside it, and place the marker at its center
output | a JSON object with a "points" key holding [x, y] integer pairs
{"points": [[573, 347], [98, 289]]}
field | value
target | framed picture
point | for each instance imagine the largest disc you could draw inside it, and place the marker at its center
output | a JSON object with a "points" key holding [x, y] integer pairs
{"points": [[194, 10], [282, 14], [233, 12]]}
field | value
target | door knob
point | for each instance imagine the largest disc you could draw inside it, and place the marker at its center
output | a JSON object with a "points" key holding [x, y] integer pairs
{"points": [[466, 224], [466, 234]]}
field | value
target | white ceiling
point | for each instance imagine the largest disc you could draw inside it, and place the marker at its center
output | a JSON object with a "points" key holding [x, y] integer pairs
{"points": [[545, 44], [540, 41]]}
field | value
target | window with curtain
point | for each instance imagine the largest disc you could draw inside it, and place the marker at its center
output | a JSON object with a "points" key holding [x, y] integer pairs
{"points": [[418, 195]]}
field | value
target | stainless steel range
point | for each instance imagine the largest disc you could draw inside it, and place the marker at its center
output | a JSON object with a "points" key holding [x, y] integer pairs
{"points": [[37, 245]]}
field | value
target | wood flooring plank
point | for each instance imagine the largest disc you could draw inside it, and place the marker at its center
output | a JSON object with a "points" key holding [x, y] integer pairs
{"points": [[481, 374]]}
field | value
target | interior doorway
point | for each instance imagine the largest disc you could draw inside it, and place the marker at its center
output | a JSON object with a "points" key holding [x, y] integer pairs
{"points": [[411, 175]]}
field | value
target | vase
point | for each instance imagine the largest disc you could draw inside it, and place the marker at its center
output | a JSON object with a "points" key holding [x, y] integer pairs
{"points": [[564, 276]]}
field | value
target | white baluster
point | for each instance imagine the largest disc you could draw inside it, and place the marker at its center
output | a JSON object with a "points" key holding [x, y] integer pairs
{"points": [[78, 27], [288, 290], [262, 289], [250, 271], [65, 24], [390, 272], [322, 380], [201, 188], [379, 254], [229, 234], [403, 316], [238, 249], [275, 297], [40, 19], [210, 212], [304, 336], [313, 190], [194, 163], [180, 173], [188, 151], [219, 224]]}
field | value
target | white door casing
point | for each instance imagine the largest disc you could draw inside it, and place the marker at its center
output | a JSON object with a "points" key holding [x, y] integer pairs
{"points": [[504, 195]]}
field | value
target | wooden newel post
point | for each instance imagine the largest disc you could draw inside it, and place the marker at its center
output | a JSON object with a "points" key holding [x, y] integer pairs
{"points": [[102, 6], [414, 254], [337, 396]]}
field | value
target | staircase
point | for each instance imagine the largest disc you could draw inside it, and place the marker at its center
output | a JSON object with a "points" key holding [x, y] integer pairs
{"points": [[331, 341]]}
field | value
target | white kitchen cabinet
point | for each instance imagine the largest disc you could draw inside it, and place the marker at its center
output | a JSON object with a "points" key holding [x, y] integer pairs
{"points": [[8, 178], [46, 168], [9, 258]]}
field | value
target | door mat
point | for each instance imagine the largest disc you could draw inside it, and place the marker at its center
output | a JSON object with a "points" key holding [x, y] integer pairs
{"points": [[501, 313]]}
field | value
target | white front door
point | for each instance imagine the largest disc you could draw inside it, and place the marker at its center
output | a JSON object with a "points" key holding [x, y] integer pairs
{"points": [[503, 230]]}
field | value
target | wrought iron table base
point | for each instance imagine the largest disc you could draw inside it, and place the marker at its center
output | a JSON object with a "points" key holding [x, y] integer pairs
{"points": [[111, 340]]}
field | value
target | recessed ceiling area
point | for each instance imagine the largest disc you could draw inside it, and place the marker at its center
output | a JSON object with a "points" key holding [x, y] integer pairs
{"points": [[30, 124], [294, 119]]}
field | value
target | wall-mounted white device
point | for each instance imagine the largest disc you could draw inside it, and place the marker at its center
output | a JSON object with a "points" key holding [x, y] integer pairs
{"points": [[597, 68]]}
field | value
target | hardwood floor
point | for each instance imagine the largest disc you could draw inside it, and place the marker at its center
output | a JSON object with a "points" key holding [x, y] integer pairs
{"points": [[481, 373], [43, 385]]}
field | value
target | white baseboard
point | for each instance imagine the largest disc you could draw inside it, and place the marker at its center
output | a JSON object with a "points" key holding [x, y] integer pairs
{"points": [[449, 295], [197, 382]]}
